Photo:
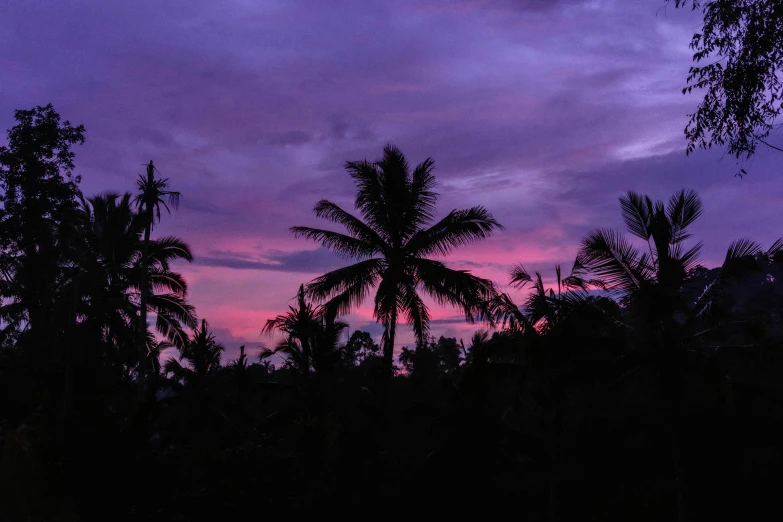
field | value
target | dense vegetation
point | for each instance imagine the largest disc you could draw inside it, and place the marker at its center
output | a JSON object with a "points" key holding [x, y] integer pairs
{"points": [[641, 386]]}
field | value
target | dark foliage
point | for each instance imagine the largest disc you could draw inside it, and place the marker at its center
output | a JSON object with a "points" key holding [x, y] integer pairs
{"points": [[738, 56]]}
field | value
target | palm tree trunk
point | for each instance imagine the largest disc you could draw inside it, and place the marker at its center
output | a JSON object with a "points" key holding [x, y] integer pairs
{"points": [[67, 344], [388, 349], [556, 455], [142, 327], [672, 388], [679, 474], [306, 355]]}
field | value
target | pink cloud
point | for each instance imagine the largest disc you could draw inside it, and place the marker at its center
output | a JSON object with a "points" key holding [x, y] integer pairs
{"points": [[544, 112]]}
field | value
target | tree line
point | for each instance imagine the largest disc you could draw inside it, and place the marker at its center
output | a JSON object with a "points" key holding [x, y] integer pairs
{"points": [[639, 385]]}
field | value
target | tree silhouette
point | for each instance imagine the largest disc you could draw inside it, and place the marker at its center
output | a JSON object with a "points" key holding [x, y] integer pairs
{"points": [[738, 56], [115, 263], [201, 355], [38, 209], [312, 335], [361, 346], [391, 246], [107, 251], [151, 196], [652, 285], [299, 324]]}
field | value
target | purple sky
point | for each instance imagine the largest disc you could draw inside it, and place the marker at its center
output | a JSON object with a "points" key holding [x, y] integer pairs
{"points": [[544, 111]]}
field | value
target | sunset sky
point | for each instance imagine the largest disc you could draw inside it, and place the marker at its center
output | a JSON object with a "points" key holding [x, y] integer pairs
{"points": [[544, 111]]}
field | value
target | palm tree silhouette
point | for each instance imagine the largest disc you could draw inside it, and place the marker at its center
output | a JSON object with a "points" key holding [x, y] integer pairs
{"points": [[543, 310], [391, 246], [108, 248], [201, 353], [299, 324], [311, 335], [560, 319], [653, 287], [152, 195], [115, 265]]}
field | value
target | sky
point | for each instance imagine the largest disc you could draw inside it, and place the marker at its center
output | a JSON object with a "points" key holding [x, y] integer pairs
{"points": [[543, 111]]}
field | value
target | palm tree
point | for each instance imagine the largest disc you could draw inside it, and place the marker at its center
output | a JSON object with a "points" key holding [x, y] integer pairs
{"points": [[311, 335], [238, 370], [107, 250], [653, 287], [299, 325], [201, 353], [152, 195], [391, 245], [112, 270], [553, 322], [543, 309]]}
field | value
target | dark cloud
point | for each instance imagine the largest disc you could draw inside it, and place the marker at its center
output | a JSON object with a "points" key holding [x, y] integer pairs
{"points": [[308, 261], [291, 138]]}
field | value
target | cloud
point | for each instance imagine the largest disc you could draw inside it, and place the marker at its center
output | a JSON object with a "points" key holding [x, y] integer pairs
{"points": [[542, 111], [308, 261], [294, 137]]}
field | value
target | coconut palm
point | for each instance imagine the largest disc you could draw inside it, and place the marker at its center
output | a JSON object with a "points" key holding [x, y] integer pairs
{"points": [[152, 195], [201, 357], [391, 244], [311, 335], [112, 267], [299, 325], [653, 285], [107, 251]]}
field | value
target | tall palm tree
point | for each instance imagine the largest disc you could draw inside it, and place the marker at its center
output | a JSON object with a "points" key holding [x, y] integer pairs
{"points": [[152, 195], [107, 250], [653, 286], [112, 270], [391, 244]]}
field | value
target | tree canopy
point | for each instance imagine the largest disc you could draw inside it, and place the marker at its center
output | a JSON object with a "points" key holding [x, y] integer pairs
{"points": [[738, 58]]}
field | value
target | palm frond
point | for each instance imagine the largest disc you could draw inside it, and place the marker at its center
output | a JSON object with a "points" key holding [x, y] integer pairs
{"points": [[179, 372], [341, 244], [740, 261], [742, 248], [387, 301], [520, 276], [637, 211], [167, 281], [164, 250], [422, 196], [370, 199], [459, 227], [613, 260], [689, 259], [355, 227], [682, 210], [347, 287], [171, 328], [416, 312], [458, 288], [776, 249]]}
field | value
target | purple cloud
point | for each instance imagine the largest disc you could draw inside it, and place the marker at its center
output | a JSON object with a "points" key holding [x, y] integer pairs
{"points": [[542, 111]]}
